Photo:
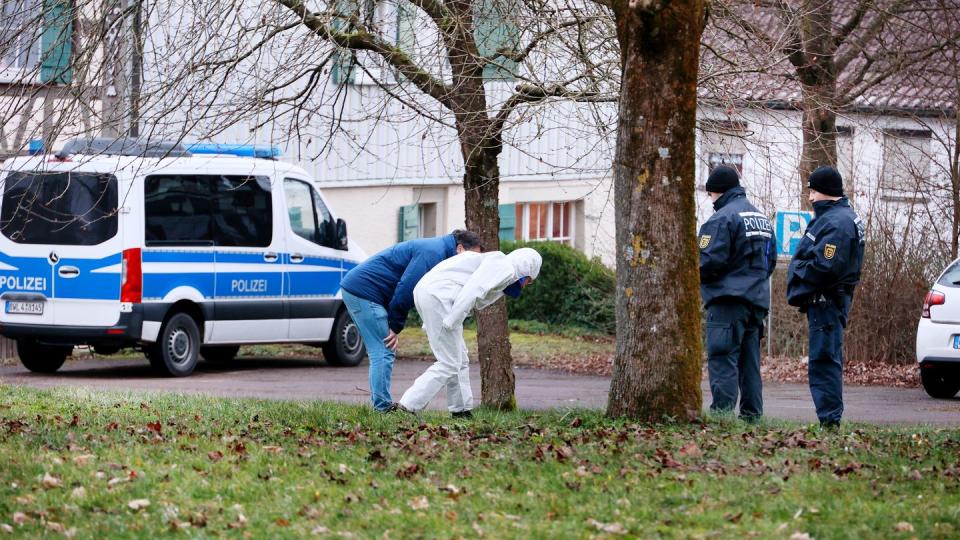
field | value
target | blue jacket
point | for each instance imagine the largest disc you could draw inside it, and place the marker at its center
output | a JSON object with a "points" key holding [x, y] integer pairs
{"points": [[829, 255], [388, 278], [737, 252]]}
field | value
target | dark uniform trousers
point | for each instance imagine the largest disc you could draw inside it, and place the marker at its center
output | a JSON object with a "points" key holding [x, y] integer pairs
{"points": [[734, 330], [826, 319]]}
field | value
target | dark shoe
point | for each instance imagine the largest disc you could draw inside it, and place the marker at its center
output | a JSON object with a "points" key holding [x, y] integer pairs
{"points": [[462, 414], [830, 426], [397, 407], [391, 408]]}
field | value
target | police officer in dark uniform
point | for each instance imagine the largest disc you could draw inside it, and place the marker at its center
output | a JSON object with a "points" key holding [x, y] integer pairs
{"points": [[820, 281], [737, 256]]}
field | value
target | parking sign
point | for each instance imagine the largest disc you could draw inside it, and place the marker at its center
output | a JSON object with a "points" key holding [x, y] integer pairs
{"points": [[790, 227]]}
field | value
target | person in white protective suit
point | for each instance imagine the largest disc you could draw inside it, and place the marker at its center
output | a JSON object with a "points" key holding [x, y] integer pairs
{"points": [[444, 297]]}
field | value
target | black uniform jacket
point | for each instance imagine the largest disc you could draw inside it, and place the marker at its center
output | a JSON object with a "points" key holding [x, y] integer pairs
{"points": [[829, 256], [737, 252]]}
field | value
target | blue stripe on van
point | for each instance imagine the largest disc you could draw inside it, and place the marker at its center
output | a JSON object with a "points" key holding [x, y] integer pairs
{"points": [[315, 276], [156, 286], [90, 285], [25, 274]]}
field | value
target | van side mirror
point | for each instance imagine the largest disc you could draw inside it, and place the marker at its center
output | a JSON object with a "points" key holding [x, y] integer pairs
{"points": [[341, 237]]}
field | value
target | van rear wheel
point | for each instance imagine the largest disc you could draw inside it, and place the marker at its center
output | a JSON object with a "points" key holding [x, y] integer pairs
{"points": [[177, 348], [219, 354], [41, 358], [345, 347]]}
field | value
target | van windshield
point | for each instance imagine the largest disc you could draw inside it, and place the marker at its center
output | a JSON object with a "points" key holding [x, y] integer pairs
{"points": [[77, 208]]}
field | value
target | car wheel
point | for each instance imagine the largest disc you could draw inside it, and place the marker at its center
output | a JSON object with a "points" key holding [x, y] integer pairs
{"points": [[345, 347], [42, 358], [939, 382], [177, 348], [219, 354]]}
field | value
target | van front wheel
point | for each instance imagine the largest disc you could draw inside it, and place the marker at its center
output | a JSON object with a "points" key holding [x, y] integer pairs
{"points": [[42, 358], [345, 347], [177, 348]]}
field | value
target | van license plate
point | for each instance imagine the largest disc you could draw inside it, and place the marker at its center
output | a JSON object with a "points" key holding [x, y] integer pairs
{"points": [[26, 308]]}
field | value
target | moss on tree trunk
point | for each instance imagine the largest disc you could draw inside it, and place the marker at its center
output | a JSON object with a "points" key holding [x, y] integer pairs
{"points": [[656, 372]]}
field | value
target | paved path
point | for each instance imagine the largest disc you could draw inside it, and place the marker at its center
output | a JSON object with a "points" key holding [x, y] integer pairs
{"points": [[536, 389]]}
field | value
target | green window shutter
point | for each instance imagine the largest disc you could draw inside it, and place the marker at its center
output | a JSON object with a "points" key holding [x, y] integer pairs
{"points": [[344, 61], [56, 42], [406, 27], [508, 221], [492, 31], [409, 222]]}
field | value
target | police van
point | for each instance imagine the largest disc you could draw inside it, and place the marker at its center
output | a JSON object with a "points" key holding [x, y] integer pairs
{"points": [[177, 250]]}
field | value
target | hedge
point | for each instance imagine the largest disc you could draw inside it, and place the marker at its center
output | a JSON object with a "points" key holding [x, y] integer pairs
{"points": [[571, 290]]}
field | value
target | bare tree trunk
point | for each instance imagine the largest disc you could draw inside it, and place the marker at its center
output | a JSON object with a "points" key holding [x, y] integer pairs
{"points": [[819, 133], [656, 372], [818, 83], [480, 148], [481, 183]]}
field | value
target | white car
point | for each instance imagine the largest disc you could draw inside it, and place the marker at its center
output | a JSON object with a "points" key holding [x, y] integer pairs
{"points": [[938, 336]]}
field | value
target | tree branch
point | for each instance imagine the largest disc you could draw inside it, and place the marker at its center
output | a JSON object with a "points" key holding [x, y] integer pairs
{"points": [[362, 40]]}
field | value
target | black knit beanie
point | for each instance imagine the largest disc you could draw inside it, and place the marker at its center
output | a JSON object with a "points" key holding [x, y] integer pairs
{"points": [[722, 178], [826, 180]]}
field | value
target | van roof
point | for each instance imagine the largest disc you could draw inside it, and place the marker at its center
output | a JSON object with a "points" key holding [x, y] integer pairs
{"points": [[138, 166]]}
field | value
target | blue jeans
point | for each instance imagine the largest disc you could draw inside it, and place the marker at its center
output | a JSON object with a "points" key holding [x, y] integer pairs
{"points": [[371, 319], [733, 357], [826, 321]]}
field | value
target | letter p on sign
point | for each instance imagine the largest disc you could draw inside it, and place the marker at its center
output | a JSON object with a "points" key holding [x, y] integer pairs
{"points": [[790, 227]]}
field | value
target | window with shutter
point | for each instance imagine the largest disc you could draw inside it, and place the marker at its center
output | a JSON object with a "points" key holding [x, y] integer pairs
{"points": [[409, 225], [493, 30], [20, 33], [56, 42]]}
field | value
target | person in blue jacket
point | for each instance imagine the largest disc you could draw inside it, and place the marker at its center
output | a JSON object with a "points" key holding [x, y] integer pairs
{"points": [[379, 293], [737, 256], [821, 279]]}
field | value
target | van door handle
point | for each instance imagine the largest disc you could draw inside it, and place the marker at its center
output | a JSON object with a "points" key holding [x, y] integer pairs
{"points": [[296, 257], [270, 256], [68, 272]]}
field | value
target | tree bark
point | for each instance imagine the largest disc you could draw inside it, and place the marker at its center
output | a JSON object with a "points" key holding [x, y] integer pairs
{"points": [[657, 365], [819, 133], [481, 183], [480, 147], [818, 85]]}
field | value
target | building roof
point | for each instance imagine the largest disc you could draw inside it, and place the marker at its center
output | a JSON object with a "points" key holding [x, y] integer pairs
{"points": [[900, 57]]}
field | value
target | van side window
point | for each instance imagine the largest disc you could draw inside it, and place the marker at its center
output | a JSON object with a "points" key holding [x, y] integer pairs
{"points": [[208, 210], [178, 210], [243, 211], [309, 217]]}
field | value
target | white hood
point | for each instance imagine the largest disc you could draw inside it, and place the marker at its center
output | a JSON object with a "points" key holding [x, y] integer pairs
{"points": [[526, 262]]}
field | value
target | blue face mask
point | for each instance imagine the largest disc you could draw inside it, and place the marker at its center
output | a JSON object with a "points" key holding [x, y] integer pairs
{"points": [[514, 289]]}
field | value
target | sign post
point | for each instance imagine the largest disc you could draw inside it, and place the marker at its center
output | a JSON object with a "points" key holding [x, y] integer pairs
{"points": [[789, 227]]}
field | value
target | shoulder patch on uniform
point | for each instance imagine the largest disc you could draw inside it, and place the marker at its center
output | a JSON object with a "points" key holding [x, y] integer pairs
{"points": [[704, 241], [829, 251]]}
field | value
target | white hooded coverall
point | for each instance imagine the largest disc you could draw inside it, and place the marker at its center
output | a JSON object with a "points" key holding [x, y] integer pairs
{"points": [[444, 297]]}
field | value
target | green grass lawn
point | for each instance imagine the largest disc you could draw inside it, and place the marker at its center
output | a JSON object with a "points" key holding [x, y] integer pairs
{"points": [[144, 466]]}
